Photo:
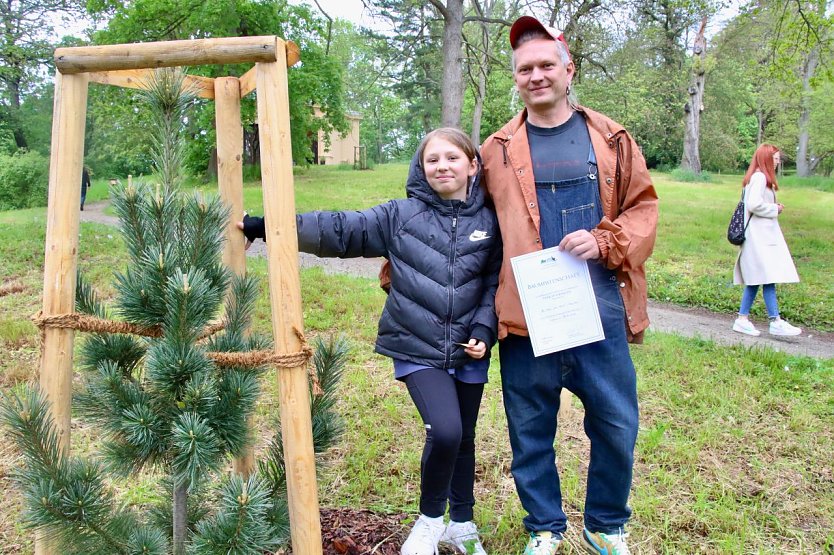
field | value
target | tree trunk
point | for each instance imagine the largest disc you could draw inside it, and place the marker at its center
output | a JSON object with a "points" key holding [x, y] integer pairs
{"points": [[180, 518], [478, 111], [762, 121], [691, 158], [211, 169], [803, 166], [14, 104], [451, 88], [483, 70]]}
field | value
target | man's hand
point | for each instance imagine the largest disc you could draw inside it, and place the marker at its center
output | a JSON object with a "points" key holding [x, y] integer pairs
{"points": [[475, 348], [580, 244]]}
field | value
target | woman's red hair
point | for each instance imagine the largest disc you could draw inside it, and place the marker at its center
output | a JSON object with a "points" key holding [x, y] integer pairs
{"points": [[763, 162]]}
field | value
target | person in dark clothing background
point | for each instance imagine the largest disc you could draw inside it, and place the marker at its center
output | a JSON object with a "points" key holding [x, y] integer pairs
{"points": [[438, 323], [85, 182]]}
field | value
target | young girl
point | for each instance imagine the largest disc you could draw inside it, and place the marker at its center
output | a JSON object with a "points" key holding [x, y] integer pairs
{"points": [[438, 323], [764, 258]]}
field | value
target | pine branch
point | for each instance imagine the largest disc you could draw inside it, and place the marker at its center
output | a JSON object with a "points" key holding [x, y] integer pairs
{"points": [[86, 299], [329, 360], [196, 449], [65, 496], [238, 527]]}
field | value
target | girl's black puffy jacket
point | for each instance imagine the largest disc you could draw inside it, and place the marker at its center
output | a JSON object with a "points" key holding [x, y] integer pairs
{"points": [[445, 257]]}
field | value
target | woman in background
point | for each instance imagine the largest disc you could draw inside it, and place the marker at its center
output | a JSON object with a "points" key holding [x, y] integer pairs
{"points": [[764, 259]]}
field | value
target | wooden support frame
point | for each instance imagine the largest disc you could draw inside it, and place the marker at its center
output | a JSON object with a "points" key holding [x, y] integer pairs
{"points": [[129, 65]]}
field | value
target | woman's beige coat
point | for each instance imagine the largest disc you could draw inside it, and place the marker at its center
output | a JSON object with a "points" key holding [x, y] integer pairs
{"points": [[764, 256]]}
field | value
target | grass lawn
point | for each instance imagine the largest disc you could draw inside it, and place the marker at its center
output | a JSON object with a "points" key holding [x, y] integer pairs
{"points": [[734, 453], [693, 263]]}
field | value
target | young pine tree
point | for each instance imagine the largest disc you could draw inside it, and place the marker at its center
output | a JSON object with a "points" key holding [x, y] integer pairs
{"points": [[161, 403]]}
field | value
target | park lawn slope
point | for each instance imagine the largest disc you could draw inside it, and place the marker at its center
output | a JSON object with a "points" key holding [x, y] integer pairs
{"points": [[733, 454]]}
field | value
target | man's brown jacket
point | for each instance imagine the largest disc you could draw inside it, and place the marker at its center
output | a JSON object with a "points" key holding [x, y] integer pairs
{"points": [[625, 235]]}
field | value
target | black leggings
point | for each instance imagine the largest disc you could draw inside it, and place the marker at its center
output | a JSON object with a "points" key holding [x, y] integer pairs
{"points": [[449, 410]]}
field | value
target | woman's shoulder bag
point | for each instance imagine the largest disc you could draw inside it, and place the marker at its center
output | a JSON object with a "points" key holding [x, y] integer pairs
{"points": [[737, 227]]}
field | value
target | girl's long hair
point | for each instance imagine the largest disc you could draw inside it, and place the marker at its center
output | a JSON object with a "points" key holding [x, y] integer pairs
{"points": [[763, 162]]}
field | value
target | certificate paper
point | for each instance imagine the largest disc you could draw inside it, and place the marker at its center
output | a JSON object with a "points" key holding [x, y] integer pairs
{"points": [[558, 300]]}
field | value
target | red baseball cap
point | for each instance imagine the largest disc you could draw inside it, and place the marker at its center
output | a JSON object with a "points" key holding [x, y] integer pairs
{"points": [[530, 23]]}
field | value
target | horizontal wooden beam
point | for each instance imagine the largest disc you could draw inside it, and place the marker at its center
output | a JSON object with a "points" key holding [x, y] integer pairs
{"points": [[249, 81], [137, 79], [230, 50]]}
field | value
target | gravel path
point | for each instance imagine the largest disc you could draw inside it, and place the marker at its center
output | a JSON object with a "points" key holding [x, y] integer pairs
{"points": [[688, 322]]}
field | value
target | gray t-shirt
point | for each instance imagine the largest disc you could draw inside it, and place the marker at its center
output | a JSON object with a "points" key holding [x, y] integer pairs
{"points": [[561, 152]]}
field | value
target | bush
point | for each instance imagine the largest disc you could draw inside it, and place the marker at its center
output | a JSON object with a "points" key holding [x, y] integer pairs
{"points": [[689, 176], [24, 180]]}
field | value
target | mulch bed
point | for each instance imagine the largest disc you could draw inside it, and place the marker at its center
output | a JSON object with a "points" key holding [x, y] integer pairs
{"points": [[348, 531], [361, 532]]}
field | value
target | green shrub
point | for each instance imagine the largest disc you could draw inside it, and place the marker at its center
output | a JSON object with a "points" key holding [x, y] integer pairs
{"points": [[24, 180], [689, 176]]}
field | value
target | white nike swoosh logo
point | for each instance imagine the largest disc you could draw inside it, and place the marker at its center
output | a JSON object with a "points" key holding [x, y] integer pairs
{"points": [[478, 236]]}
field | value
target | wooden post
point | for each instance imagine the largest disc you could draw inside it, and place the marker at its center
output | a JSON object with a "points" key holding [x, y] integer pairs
{"points": [[61, 252], [230, 182], [285, 295]]}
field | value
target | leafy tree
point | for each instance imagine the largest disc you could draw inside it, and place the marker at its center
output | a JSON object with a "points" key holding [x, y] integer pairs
{"points": [[24, 29], [318, 80], [802, 45]]}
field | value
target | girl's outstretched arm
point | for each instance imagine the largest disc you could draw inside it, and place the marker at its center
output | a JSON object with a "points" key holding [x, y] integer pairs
{"points": [[343, 234]]}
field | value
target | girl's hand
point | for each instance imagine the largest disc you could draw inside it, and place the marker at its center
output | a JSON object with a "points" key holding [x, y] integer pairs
{"points": [[780, 207], [475, 348], [248, 242], [252, 228]]}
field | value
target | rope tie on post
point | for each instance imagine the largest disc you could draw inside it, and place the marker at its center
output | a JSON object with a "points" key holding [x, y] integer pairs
{"points": [[247, 359]]}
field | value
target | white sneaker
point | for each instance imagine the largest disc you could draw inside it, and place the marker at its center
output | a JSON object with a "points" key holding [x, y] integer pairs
{"points": [[463, 536], [745, 326], [542, 543], [781, 327], [424, 537]]}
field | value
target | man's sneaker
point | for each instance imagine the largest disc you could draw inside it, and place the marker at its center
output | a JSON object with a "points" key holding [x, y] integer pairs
{"points": [[605, 544], [543, 543], [424, 537], [743, 325], [463, 536], [781, 327]]}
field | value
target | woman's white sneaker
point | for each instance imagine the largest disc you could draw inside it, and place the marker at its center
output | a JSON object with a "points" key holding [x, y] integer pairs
{"points": [[463, 536], [424, 536], [781, 327], [745, 326]]}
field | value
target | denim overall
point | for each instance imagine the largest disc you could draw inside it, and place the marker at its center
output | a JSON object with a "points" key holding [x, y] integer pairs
{"points": [[601, 374]]}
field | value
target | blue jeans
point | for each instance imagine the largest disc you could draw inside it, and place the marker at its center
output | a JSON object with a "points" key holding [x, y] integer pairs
{"points": [[602, 375], [769, 295]]}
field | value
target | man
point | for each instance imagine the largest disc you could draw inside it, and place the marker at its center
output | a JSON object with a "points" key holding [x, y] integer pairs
{"points": [[560, 174]]}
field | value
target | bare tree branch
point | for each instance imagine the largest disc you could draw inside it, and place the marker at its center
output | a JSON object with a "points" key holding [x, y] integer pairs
{"points": [[329, 27], [441, 7]]}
